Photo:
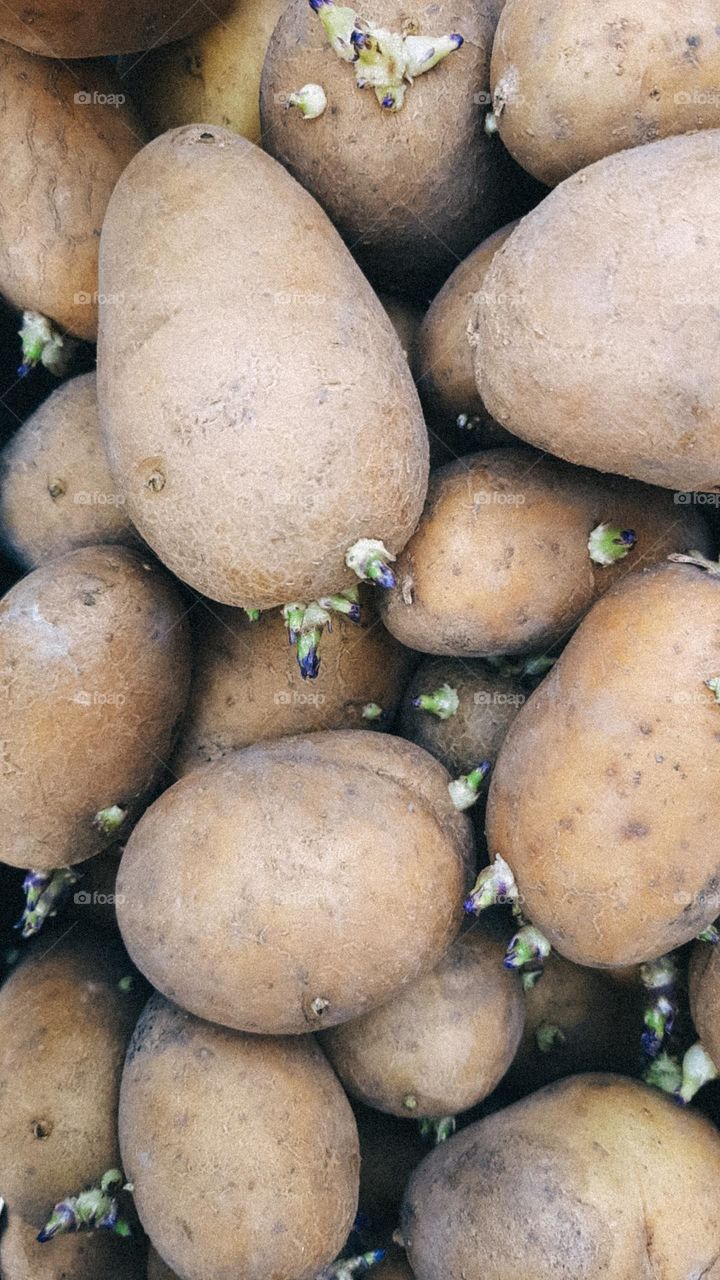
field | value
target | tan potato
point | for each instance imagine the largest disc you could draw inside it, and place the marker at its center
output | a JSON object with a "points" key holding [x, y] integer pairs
{"points": [[225, 1184], [500, 563], [596, 328], [95, 662], [594, 1176], [578, 80], [306, 844], [62, 29], [443, 1044], [283, 462], [247, 685], [56, 491], [412, 191], [390, 1149], [64, 1027], [96, 1256], [66, 136], [705, 997], [603, 800], [213, 75]]}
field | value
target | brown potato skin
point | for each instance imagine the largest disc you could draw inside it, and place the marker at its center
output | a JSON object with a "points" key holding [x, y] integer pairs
{"points": [[595, 329], [247, 685], [194, 1119], [286, 832], [602, 798], [445, 1042], [596, 1175], [97, 1255], [64, 29], [578, 80], [283, 462], [60, 160], [412, 192], [705, 997], [56, 491], [499, 563], [64, 1028], [95, 661]]}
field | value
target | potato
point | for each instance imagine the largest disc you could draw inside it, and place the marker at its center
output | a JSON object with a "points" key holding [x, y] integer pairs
{"points": [[64, 1026], [389, 1151], [500, 563], [579, 80], [66, 136], [241, 504], [74, 1257], [61, 29], [56, 491], [247, 685], [412, 191], [443, 1044], [596, 328], [705, 996], [225, 1185], [213, 75], [594, 1176], [95, 665], [306, 844], [602, 800]]}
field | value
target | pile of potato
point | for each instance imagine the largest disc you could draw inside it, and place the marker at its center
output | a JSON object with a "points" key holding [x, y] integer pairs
{"points": [[360, 640]]}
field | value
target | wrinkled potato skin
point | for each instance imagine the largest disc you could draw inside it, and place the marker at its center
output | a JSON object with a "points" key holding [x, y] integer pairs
{"points": [[580, 79], [60, 160], [308, 455], [499, 563], [705, 997], [412, 192], [305, 845], [56, 491], [247, 685], [89, 1256], [234, 1187], [95, 671], [596, 329], [64, 29], [595, 1175], [602, 799], [64, 1028], [445, 1042]]}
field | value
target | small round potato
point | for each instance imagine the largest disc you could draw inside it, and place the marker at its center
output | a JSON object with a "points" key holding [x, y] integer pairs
{"points": [[306, 845], [99, 1255], [64, 29], [242, 1150]]}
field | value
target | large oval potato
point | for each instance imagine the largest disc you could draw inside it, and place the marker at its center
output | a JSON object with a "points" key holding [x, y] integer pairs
{"points": [[242, 1150], [247, 685], [64, 29], [64, 1027], [500, 563], [593, 1176], [259, 412], [411, 191], [95, 672], [56, 491], [66, 134], [99, 1255], [305, 845], [604, 799], [579, 79], [597, 326]]}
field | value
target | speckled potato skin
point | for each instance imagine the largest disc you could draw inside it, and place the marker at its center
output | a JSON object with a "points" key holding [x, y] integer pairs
{"points": [[64, 29], [443, 1044], [596, 326], [97, 1255], [306, 844], [413, 191], [603, 799], [593, 1176], [225, 1184], [60, 160], [488, 704], [95, 672], [247, 685], [500, 564], [705, 997], [56, 491], [579, 80], [64, 1028], [258, 422]]}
